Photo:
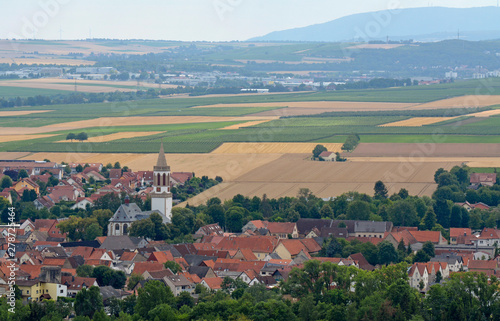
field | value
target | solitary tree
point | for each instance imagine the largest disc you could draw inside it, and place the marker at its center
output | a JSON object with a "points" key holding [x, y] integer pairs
{"points": [[380, 190], [71, 136], [318, 150], [82, 136]]}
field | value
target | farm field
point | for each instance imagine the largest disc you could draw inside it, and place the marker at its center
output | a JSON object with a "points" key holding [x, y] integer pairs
{"points": [[462, 102], [425, 150], [228, 167], [107, 122], [247, 124], [287, 174], [417, 121], [272, 148], [14, 138], [89, 86], [330, 105], [47, 61], [20, 113], [115, 136]]}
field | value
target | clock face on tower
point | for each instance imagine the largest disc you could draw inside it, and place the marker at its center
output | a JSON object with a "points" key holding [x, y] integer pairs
{"points": [[158, 189]]}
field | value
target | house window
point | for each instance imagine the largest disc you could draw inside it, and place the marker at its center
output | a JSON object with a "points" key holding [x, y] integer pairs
{"points": [[27, 291], [62, 291], [117, 227], [125, 228]]}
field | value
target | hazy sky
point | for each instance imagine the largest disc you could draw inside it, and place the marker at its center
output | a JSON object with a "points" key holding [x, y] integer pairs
{"points": [[215, 20]]}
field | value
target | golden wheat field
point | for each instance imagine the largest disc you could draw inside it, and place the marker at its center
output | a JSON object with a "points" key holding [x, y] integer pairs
{"points": [[247, 124], [273, 148], [462, 102], [115, 136], [107, 122], [14, 138], [227, 166], [23, 112], [417, 122], [287, 174], [486, 113]]}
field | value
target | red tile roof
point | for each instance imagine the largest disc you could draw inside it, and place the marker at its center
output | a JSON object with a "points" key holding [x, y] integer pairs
{"points": [[455, 232], [141, 267], [280, 228], [213, 283], [424, 236], [262, 244]]}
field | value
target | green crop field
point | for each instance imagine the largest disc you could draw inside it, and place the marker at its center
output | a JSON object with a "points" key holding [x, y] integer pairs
{"points": [[204, 137], [13, 92]]}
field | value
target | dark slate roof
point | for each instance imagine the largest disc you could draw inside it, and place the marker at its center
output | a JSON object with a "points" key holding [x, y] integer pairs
{"points": [[168, 247], [185, 248], [305, 225], [196, 260], [341, 232], [121, 242], [110, 292], [95, 244], [130, 212], [201, 271], [55, 239], [371, 227]]}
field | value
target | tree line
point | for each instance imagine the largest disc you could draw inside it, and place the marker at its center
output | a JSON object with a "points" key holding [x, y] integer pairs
{"points": [[318, 291]]}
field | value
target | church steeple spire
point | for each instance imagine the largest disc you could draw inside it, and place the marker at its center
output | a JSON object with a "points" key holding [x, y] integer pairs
{"points": [[161, 163]]}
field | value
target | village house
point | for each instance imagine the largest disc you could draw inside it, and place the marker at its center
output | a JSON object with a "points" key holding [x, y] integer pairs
{"points": [[418, 273], [328, 156], [484, 179]]}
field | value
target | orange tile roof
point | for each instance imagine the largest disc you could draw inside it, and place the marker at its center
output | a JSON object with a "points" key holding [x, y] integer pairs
{"points": [[32, 270], [193, 278], [280, 227], [294, 246], [101, 239], [209, 263], [141, 267], [262, 244], [128, 256], [161, 256], [213, 283], [455, 232], [482, 265], [83, 251], [424, 236], [204, 246], [280, 261], [54, 261], [311, 245], [248, 255]]}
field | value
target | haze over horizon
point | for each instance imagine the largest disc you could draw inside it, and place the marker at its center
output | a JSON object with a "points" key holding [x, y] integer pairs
{"points": [[194, 20]]}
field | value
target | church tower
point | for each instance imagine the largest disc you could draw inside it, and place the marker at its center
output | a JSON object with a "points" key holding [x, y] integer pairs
{"points": [[161, 197]]}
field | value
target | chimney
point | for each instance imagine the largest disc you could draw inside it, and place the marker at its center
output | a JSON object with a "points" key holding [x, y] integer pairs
{"points": [[127, 200]]}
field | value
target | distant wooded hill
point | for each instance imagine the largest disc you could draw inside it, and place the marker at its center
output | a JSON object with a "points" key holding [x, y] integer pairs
{"points": [[420, 24]]}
